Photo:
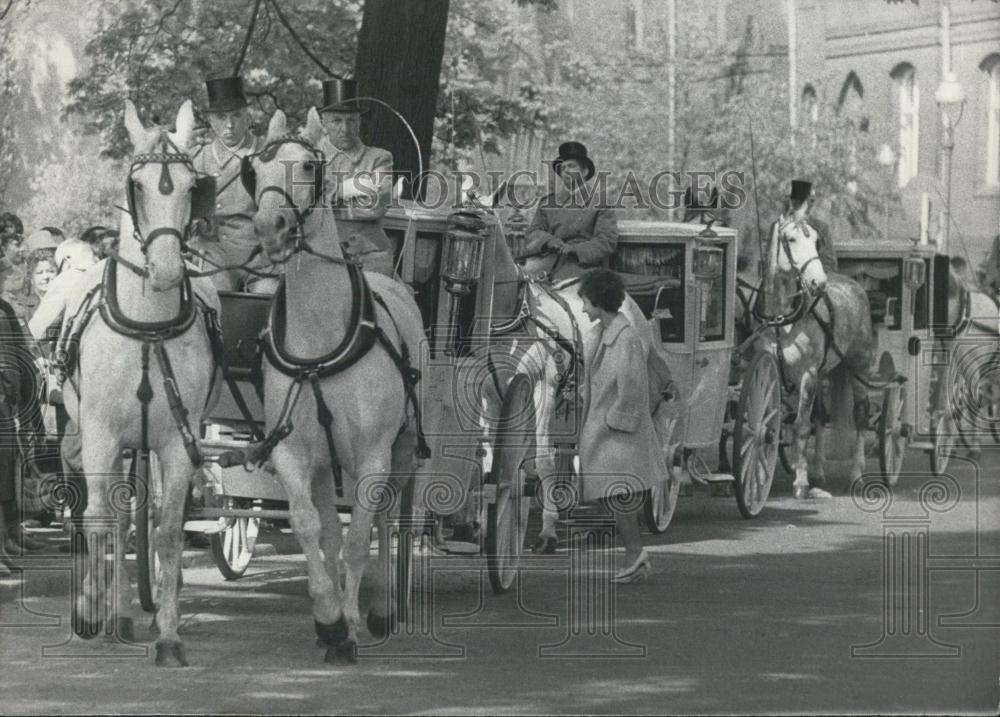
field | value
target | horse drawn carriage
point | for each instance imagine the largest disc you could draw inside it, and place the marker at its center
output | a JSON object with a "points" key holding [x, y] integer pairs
{"points": [[681, 278]]}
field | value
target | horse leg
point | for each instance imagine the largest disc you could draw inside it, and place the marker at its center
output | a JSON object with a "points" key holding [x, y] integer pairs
{"points": [[373, 472], [861, 420], [331, 627], [120, 607], [176, 471], [382, 615], [90, 541], [803, 427], [331, 529], [546, 464], [818, 469]]}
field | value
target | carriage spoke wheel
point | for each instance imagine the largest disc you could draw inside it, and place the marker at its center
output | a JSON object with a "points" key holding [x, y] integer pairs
{"points": [[990, 401], [945, 440], [757, 433], [232, 549], [891, 438], [507, 516], [146, 470], [661, 500]]}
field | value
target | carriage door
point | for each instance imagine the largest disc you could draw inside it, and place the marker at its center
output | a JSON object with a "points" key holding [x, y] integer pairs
{"points": [[711, 322]]}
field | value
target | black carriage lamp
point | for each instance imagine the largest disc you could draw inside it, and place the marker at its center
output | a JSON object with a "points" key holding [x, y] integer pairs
{"points": [[914, 272], [707, 262], [462, 254]]}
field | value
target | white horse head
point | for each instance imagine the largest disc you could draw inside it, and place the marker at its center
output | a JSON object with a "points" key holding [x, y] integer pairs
{"points": [[793, 250], [286, 181], [160, 189]]}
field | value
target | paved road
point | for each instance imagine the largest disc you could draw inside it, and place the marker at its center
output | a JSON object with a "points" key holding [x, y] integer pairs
{"points": [[846, 605]]}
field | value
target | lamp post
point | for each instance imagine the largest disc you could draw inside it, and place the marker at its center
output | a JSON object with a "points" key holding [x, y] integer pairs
{"points": [[950, 99], [887, 158]]}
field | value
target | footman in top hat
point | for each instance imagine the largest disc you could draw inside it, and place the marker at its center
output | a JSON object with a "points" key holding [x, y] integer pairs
{"points": [[571, 220], [228, 239], [358, 179]]}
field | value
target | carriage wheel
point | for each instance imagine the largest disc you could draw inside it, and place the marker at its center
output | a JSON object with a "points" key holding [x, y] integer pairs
{"points": [[943, 447], [507, 516], [990, 400], [787, 454], [232, 549], [145, 469], [758, 430], [661, 500], [891, 441]]}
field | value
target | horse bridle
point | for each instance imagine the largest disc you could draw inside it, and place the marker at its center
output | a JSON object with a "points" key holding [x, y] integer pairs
{"points": [[799, 271], [202, 194], [248, 177]]}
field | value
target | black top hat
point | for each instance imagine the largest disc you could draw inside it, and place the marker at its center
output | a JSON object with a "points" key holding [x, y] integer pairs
{"points": [[801, 190], [692, 201], [575, 151], [225, 94], [340, 96]]}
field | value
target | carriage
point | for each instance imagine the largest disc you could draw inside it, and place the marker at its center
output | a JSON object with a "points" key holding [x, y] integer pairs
{"points": [[683, 278]]}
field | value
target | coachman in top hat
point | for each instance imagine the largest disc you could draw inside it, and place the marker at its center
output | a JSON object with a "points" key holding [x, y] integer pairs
{"points": [[571, 220], [358, 179], [799, 202], [228, 239]]}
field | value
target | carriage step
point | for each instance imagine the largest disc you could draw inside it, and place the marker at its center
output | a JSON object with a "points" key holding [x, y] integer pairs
{"points": [[714, 478]]}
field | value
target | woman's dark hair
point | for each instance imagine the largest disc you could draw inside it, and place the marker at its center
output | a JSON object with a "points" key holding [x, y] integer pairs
{"points": [[10, 222], [603, 288], [93, 235]]}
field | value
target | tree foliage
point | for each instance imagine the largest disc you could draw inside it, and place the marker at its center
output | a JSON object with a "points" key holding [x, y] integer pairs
{"points": [[159, 53]]}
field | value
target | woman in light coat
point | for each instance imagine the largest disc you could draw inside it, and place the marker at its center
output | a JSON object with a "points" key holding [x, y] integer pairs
{"points": [[619, 451]]}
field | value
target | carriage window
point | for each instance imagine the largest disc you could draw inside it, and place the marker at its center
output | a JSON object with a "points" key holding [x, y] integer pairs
{"points": [[882, 280], [922, 304], [654, 277], [712, 324]]}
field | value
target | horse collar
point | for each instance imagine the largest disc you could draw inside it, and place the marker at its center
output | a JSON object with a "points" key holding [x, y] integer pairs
{"points": [[359, 339], [115, 318]]}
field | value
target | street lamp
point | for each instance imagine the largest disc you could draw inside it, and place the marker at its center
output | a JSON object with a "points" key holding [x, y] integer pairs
{"points": [[887, 158], [950, 98]]}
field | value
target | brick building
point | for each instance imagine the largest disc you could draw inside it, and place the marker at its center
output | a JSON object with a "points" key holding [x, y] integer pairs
{"points": [[875, 61]]}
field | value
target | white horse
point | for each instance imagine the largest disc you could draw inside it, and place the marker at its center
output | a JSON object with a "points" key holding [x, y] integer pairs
{"points": [[142, 332], [547, 361], [794, 277], [373, 430]]}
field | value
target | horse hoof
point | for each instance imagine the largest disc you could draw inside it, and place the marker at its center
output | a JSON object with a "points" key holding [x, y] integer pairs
{"points": [[170, 654], [799, 492], [817, 493], [85, 628], [344, 653], [333, 633], [381, 625]]}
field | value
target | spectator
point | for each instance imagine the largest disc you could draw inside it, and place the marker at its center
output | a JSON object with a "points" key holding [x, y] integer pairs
{"points": [[12, 251], [99, 238], [73, 258], [41, 269]]}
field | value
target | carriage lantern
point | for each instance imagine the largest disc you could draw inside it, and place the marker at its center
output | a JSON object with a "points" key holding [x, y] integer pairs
{"points": [[515, 230], [914, 272], [707, 261], [462, 260]]}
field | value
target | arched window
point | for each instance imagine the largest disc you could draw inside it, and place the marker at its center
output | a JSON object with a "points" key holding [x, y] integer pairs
{"points": [[852, 93], [908, 103], [810, 107], [991, 66]]}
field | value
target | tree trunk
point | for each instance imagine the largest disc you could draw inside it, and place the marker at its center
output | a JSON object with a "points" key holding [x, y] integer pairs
{"points": [[400, 48]]}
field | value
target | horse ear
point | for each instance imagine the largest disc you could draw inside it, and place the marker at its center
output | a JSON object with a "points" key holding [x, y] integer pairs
{"points": [[185, 125], [136, 130], [314, 128], [278, 126]]}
